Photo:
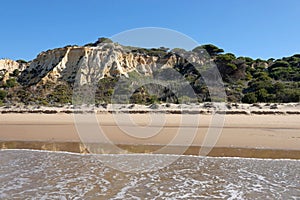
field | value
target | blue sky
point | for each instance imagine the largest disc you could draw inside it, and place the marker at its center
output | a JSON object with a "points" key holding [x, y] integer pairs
{"points": [[254, 28]]}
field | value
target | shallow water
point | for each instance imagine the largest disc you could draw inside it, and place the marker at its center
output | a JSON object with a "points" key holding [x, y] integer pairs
{"points": [[26, 174]]}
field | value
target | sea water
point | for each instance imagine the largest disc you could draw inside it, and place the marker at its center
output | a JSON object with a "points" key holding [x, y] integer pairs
{"points": [[28, 174]]}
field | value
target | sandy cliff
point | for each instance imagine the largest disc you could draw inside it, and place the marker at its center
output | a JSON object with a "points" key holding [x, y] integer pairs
{"points": [[104, 60]]}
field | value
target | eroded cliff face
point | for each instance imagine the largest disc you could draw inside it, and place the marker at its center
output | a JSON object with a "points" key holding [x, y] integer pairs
{"points": [[7, 67], [87, 63]]}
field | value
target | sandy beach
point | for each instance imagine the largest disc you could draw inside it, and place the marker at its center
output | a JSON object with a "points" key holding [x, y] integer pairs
{"points": [[242, 135]]}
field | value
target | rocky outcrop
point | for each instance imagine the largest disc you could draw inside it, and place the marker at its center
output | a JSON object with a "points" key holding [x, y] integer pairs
{"points": [[10, 65], [7, 67], [103, 60]]}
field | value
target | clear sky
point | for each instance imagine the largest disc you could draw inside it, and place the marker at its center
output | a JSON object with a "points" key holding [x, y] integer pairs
{"points": [[254, 28]]}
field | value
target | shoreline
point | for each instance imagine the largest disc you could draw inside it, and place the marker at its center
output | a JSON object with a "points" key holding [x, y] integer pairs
{"points": [[254, 136], [76, 147]]}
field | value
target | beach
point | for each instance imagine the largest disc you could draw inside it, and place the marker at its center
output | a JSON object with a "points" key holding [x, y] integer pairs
{"points": [[261, 136]]}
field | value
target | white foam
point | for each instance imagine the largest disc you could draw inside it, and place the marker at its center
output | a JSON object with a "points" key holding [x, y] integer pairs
{"points": [[124, 190], [50, 176], [45, 151], [156, 155]]}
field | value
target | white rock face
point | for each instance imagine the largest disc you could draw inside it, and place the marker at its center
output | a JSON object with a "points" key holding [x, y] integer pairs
{"points": [[88, 64], [7, 67]]}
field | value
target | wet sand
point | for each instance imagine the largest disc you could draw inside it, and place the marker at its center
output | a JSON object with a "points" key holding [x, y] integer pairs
{"points": [[263, 136]]}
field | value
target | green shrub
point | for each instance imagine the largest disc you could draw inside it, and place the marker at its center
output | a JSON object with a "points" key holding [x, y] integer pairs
{"points": [[12, 82], [3, 94], [138, 98], [212, 50], [16, 72], [228, 57], [262, 95], [61, 94], [21, 61], [249, 98], [153, 99]]}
